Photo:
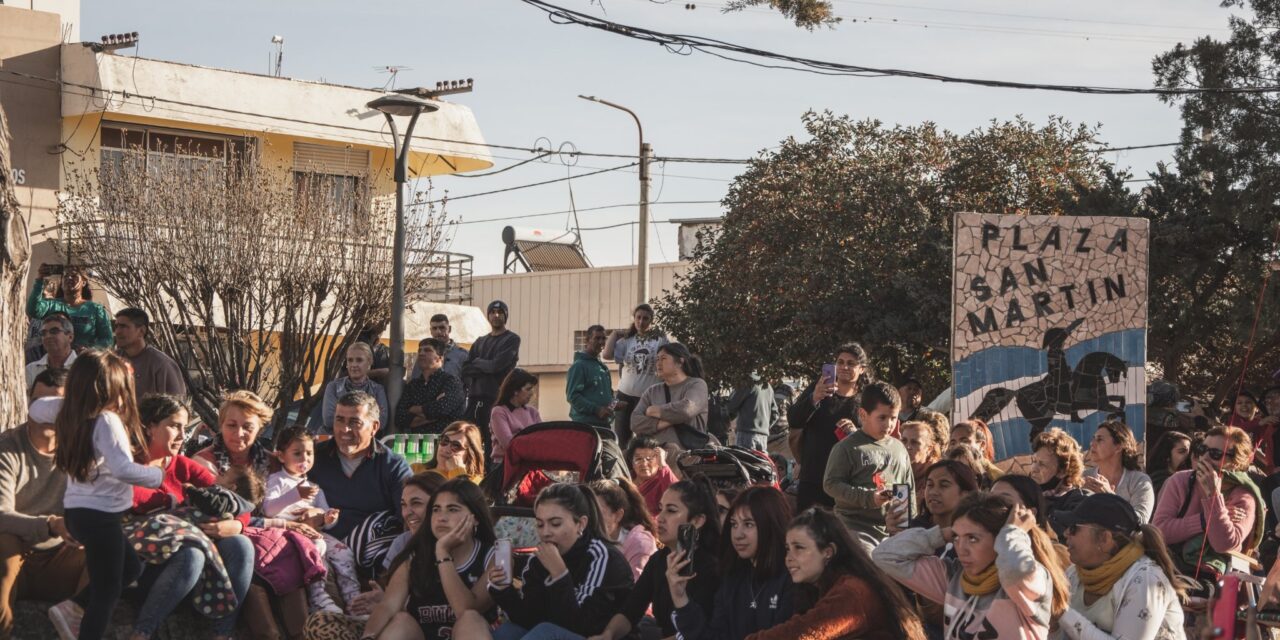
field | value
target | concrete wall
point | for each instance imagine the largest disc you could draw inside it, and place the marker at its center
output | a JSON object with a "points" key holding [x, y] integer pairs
{"points": [[548, 307]]}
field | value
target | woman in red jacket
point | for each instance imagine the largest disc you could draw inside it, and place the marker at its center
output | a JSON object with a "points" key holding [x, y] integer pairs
{"points": [[840, 593]]}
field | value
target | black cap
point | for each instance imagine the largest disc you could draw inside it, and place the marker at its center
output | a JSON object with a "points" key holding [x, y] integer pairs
{"points": [[1106, 510], [499, 305]]}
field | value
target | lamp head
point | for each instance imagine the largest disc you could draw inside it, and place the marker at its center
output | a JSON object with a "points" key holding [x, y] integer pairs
{"points": [[399, 104]]}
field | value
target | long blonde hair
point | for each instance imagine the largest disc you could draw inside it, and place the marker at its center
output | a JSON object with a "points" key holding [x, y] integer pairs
{"points": [[471, 443], [98, 382]]}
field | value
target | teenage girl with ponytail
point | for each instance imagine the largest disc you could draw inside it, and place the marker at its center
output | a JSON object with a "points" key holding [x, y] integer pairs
{"points": [[574, 583], [1004, 581], [685, 502]]}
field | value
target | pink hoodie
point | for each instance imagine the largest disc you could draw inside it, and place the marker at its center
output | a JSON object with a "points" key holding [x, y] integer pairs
{"points": [[1226, 522]]}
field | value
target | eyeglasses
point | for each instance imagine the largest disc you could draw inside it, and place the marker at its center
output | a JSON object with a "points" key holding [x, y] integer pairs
{"points": [[455, 444]]}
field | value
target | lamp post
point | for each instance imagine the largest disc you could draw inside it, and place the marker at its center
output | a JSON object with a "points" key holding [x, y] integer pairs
{"points": [[642, 251], [399, 105]]}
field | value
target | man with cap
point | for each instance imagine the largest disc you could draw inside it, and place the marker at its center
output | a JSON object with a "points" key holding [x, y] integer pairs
{"points": [[1122, 580], [38, 559], [492, 357]]}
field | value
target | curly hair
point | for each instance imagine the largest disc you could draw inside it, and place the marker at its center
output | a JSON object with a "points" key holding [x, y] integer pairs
{"points": [[246, 401], [1239, 447], [1066, 450]]}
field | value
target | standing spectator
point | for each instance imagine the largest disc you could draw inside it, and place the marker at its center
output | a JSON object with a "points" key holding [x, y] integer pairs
{"points": [[361, 479], [512, 411], [492, 357], [1116, 469], [1224, 506], [912, 394], [648, 462], [153, 371], [359, 361], [636, 350], [1122, 581], [91, 320], [1058, 465], [756, 409], [589, 388], [674, 411], [1004, 582], [822, 415], [865, 466], [57, 335], [1169, 455], [1247, 415], [976, 435], [435, 398], [98, 435], [38, 558], [454, 356]]}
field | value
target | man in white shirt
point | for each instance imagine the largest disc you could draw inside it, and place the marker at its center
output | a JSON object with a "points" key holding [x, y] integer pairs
{"points": [[56, 334]]}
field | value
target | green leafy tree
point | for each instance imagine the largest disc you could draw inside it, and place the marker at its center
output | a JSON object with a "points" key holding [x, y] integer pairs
{"points": [[846, 235], [1214, 213]]}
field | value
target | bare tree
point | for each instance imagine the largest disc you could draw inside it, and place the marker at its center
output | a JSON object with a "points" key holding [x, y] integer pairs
{"points": [[253, 277], [15, 256]]}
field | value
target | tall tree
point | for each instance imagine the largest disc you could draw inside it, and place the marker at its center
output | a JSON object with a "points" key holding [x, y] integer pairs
{"points": [[846, 235], [15, 258], [1214, 210]]}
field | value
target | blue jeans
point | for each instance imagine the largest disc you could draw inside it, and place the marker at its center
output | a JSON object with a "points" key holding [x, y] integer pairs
{"points": [[544, 631], [173, 581], [755, 441], [111, 562]]}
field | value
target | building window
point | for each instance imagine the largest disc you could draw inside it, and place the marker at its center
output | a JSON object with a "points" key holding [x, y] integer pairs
{"points": [[344, 196], [130, 148]]}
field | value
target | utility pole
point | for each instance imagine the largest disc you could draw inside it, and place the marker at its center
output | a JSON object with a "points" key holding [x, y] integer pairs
{"points": [[642, 252]]}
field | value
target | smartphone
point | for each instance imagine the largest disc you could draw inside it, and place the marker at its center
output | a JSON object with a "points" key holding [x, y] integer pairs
{"points": [[829, 373], [502, 556], [902, 493], [687, 541]]}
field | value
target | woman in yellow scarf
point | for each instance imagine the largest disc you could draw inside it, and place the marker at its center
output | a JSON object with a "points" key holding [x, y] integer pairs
{"points": [[1123, 584]]}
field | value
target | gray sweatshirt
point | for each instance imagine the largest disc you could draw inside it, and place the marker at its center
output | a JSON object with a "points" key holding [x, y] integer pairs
{"points": [[31, 489], [688, 405]]}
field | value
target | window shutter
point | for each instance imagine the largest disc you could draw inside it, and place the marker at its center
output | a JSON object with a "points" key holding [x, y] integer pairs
{"points": [[341, 161]]}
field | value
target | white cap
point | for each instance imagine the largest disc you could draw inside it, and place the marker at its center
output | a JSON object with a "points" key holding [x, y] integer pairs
{"points": [[45, 410]]}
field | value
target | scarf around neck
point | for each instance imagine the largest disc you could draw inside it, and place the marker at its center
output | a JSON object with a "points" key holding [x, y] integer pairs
{"points": [[987, 583], [1098, 581], [259, 458]]}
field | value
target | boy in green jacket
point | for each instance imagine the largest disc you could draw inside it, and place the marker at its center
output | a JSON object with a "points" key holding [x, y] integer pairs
{"points": [[589, 388]]}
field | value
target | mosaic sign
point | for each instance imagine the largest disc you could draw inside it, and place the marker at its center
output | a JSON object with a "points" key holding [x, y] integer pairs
{"points": [[1049, 317]]}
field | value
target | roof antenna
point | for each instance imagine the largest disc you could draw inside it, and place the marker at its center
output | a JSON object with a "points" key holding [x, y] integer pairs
{"points": [[278, 41], [393, 70]]}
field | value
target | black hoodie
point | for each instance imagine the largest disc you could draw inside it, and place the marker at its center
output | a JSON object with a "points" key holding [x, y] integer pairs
{"points": [[583, 601]]}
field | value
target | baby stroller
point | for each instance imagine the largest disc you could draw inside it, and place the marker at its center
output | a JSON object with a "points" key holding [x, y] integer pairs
{"points": [[729, 467], [533, 456]]}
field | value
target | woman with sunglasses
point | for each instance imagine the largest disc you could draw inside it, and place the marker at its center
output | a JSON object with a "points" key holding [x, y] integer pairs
{"points": [[458, 453], [1123, 583], [1215, 499]]}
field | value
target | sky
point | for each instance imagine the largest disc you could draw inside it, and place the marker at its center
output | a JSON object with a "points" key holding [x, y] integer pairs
{"points": [[528, 73]]}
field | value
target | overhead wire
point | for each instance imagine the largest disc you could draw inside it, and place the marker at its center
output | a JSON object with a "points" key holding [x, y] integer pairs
{"points": [[688, 44]]}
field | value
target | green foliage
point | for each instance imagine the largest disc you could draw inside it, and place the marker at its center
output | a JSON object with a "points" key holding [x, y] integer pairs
{"points": [[807, 14], [846, 235], [1214, 215]]}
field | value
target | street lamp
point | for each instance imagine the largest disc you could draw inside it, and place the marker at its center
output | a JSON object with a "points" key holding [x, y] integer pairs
{"points": [[399, 105], [642, 251]]}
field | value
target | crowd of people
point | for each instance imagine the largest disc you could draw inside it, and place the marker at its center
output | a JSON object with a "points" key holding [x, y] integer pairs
{"points": [[890, 523]]}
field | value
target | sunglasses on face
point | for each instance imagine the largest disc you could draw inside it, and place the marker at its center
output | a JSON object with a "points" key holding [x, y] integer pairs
{"points": [[1213, 453], [454, 444]]}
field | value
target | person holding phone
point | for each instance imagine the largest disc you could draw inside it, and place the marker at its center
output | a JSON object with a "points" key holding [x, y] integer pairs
{"points": [[755, 592], [864, 467], [1215, 499], [688, 505], [440, 574], [823, 414], [573, 585]]}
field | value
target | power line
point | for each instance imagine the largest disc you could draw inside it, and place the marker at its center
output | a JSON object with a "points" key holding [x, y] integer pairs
{"points": [[599, 208], [522, 186], [1023, 16], [686, 45]]}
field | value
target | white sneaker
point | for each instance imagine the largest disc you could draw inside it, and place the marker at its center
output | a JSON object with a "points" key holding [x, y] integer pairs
{"points": [[66, 616]]}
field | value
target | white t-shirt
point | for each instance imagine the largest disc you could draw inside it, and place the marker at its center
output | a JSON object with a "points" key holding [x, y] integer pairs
{"points": [[282, 499], [638, 357]]}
